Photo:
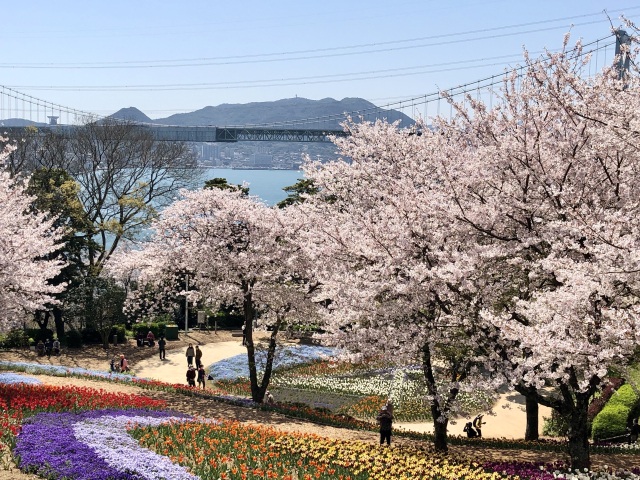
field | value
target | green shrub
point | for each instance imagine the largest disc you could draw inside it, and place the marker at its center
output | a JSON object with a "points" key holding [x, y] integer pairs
{"points": [[555, 426], [39, 334], [72, 339], [16, 338], [120, 331], [227, 318], [156, 328], [626, 395], [90, 336], [610, 422]]}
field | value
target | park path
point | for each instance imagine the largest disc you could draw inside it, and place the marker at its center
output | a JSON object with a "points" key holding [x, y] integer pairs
{"points": [[508, 419], [174, 368]]}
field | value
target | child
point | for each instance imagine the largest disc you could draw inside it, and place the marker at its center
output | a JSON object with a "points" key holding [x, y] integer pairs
{"points": [[201, 376]]}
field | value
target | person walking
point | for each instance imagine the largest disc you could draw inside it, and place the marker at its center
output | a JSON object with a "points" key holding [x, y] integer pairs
{"points": [[634, 431], [469, 430], [191, 376], [198, 356], [201, 376], [477, 424], [190, 353], [162, 343], [385, 419]]}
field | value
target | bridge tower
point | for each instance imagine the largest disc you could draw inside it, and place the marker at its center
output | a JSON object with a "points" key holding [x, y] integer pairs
{"points": [[622, 54]]}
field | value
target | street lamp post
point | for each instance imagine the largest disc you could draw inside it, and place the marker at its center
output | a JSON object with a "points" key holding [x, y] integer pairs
{"points": [[186, 306]]}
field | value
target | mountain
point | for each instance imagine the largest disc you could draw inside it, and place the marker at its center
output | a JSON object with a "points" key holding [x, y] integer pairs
{"points": [[285, 110], [131, 114], [20, 122]]}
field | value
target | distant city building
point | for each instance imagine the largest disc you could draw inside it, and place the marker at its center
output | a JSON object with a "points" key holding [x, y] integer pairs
{"points": [[261, 160]]}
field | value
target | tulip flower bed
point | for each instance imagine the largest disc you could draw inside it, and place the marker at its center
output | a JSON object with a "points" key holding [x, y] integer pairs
{"points": [[75, 372], [115, 444], [20, 400], [230, 450], [94, 445], [70, 440]]}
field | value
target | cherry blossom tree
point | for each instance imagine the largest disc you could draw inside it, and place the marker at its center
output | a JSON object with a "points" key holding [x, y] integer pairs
{"points": [[545, 189], [379, 234], [29, 243], [511, 232], [238, 252]]}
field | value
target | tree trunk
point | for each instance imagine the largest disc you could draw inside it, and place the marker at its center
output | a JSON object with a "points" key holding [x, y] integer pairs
{"points": [[268, 368], [439, 430], [579, 434], [531, 432], [439, 427], [59, 322], [42, 319], [104, 334], [249, 312]]}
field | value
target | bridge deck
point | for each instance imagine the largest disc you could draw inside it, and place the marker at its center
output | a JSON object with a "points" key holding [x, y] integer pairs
{"points": [[213, 134]]}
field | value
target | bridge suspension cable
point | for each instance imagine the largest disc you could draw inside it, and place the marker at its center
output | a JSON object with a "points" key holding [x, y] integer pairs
{"points": [[597, 49], [14, 104], [18, 105]]}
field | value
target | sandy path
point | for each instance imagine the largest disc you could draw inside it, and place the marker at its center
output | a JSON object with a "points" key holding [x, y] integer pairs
{"points": [[174, 368], [507, 419]]}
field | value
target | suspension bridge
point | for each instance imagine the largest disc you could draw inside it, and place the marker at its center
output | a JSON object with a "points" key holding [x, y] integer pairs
{"points": [[21, 111]]}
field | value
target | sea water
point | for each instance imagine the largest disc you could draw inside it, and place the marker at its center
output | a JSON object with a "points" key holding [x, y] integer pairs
{"points": [[266, 184]]}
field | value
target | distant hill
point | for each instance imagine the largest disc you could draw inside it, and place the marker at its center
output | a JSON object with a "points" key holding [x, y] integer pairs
{"points": [[19, 122], [131, 114], [272, 112]]}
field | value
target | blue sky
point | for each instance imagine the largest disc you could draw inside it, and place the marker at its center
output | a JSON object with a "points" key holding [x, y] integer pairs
{"points": [[166, 57]]}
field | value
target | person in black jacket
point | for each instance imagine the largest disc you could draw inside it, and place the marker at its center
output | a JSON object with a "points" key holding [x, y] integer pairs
{"points": [[191, 376], [162, 344], [634, 431], [469, 430], [385, 419]]}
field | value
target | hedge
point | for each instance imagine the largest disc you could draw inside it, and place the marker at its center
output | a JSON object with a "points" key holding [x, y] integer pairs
{"points": [[626, 395], [610, 422], [156, 328], [598, 403], [614, 417]]}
